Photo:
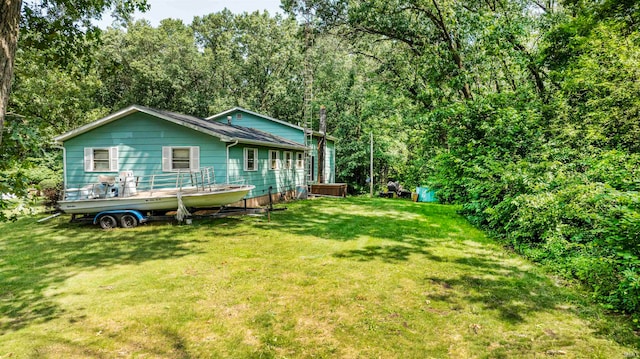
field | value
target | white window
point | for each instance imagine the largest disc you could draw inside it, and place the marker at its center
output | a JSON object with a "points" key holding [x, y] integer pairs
{"points": [[274, 159], [288, 160], [299, 160], [101, 159], [180, 158], [250, 159]]}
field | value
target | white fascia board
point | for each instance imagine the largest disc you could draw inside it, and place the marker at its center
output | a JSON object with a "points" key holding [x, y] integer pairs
{"points": [[127, 111], [222, 114], [95, 124], [269, 144]]}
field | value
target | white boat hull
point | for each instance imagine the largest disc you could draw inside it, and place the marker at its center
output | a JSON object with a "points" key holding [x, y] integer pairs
{"points": [[159, 200]]}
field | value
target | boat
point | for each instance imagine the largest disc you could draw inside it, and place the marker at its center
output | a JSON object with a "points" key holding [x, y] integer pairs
{"points": [[159, 192]]}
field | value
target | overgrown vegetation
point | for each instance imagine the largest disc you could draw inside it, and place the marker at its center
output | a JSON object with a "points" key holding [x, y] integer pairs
{"points": [[525, 113], [326, 278]]}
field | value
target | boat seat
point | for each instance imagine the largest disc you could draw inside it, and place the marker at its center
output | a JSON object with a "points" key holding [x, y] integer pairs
{"points": [[110, 180]]}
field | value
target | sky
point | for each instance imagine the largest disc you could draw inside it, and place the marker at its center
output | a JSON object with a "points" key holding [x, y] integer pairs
{"points": [[187, 9]]}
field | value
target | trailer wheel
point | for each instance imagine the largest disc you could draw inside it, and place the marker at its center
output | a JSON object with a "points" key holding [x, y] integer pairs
{"points": [[128, 221], [107, 222]]}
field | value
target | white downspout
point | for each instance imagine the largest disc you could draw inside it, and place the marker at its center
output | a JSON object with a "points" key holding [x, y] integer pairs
{"points": [[229, 146]]}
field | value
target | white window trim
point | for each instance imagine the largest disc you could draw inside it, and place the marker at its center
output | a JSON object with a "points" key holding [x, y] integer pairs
{"points": [[167, 158], [271, 159], [246, 159], [89, 164], [288, 163], [299, 160]]}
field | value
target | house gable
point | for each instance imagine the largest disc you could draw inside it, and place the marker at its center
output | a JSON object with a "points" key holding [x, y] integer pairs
{"points": [[245, 118], [183, 120], [139, 138]]}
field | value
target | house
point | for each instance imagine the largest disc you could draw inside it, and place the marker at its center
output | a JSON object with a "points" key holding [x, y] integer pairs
{"points": [[249, 147], [245, 118]]}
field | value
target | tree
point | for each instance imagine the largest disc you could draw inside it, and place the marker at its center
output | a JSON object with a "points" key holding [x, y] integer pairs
{"points": [[156, 67], [60, 24], [253, 60], [9, 25]]}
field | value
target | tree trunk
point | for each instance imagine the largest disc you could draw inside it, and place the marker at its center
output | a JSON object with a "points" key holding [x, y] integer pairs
{"points": [[9, 26]]}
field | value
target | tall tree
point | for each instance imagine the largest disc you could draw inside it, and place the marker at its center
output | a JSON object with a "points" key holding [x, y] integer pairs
{"points": [[254, 60], [9, 25], [58, 22], [157, 67]]}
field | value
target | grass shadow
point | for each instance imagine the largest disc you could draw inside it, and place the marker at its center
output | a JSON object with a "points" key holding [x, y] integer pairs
{"points": [[38, 257], [474, 277], [388, 253], [413, 227]]}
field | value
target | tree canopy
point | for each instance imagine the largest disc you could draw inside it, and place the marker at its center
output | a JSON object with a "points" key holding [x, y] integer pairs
{"points": [[523, 112]]}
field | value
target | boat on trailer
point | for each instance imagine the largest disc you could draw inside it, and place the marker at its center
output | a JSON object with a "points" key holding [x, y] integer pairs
{"points": [[158, 192]]}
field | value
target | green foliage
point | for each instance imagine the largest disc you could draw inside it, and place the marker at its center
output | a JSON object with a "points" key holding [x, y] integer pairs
{"points": [[599, 95], [578, 214], [551, 168], [12, 188], [155, 67], [327, 278], [59, 29], [54, 86], [590, 232], [525, 114]]}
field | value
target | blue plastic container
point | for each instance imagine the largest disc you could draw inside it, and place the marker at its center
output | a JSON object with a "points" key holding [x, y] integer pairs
{"points": [[426, 195]]}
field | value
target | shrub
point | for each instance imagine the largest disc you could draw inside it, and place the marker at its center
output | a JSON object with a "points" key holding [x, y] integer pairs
{"points": [[575, 209], [589, 232], [51, 190]]}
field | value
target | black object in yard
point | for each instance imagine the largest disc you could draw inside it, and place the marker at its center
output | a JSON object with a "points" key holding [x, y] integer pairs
{"points": [[404, 194], [386, 194], [395, 189]]}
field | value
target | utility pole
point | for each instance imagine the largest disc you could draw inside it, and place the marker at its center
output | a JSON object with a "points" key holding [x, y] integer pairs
{"points": [[371, 167], [308, 93], [322, 141]]}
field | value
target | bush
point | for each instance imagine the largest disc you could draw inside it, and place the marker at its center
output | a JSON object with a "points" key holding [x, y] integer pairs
{"points": [[589, 232], [51, 190], [575, 209]]}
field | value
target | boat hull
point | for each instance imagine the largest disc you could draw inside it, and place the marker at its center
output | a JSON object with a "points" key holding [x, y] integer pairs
{"points": [[158, 200]]}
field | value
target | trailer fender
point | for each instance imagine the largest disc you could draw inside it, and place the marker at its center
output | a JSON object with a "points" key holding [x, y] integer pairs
{"points": [[119, 212]]}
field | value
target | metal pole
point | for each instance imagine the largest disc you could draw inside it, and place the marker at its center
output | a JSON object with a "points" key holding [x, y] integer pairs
{"points": [[371, 167]]}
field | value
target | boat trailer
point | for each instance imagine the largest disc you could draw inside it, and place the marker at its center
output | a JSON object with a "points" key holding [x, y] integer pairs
{"points": [[131, 218]]}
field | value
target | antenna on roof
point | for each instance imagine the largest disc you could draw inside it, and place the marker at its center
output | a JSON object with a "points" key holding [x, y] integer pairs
{"points": [[307, 111], [229, 120]]}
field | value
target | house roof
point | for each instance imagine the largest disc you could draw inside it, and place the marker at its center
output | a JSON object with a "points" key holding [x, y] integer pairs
{"points": [[224, 114], [226, 133], [232, 110]]}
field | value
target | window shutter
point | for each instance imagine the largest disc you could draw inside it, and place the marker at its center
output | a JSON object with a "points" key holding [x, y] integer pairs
{"points": [[246, 159], [88, 159], [194, 159], [113, 160], [256, 162], [166, 158]]}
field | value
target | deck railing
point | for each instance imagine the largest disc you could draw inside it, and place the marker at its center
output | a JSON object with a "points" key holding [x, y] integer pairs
{"points": [[112, 186], [204, 179]]}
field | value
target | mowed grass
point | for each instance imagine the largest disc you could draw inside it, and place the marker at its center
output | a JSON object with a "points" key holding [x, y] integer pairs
{"points": [[330, 278]]}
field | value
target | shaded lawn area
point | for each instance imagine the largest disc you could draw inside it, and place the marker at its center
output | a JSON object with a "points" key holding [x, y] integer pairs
{"points": [[352, 278]]}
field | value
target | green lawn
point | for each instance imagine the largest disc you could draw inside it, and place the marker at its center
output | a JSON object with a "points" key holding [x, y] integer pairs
{"points": [[353, 278]]}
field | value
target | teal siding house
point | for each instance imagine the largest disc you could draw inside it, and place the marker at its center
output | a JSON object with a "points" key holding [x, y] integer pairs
{"points": [[241, 146], [245, 118]]}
